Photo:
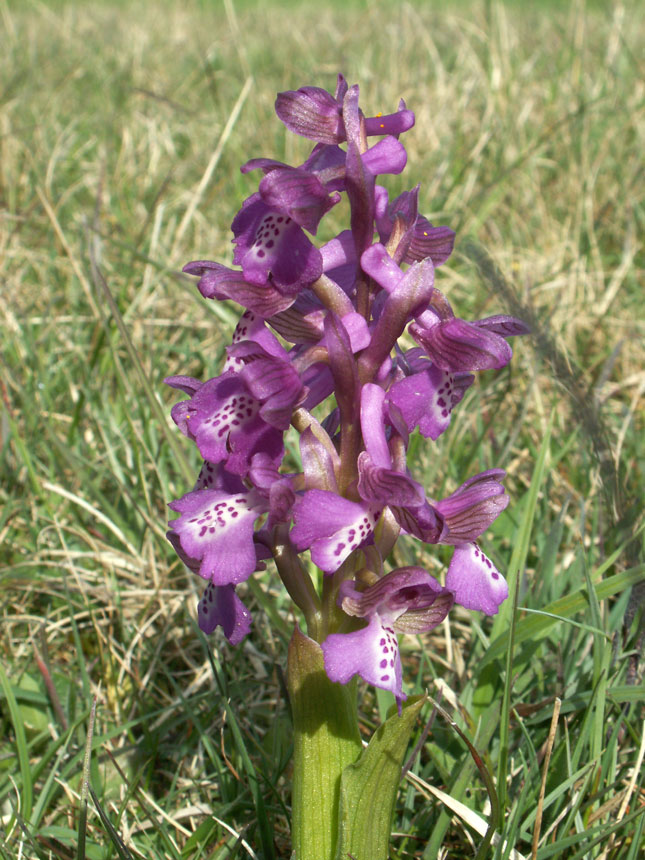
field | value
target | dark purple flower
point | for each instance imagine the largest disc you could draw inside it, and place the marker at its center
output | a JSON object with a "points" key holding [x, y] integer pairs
{"points": [[455, 345], [218, 282], [271, 246], [221, 607], [272, 381], [224, 418], [317, 115], [426, 397], [407, 600]]}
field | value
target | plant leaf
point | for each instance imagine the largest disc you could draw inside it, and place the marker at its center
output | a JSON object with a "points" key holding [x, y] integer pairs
{"points": [[368, 788]]}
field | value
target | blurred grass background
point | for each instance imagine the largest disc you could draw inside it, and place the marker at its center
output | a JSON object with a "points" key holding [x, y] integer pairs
{"points": [[122, 128]]}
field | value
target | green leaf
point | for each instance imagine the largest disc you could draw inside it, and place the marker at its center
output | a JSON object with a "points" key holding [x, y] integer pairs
{"points": [[368, 788]]}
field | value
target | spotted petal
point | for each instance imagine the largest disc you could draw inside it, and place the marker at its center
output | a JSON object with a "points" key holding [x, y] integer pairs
{"points": [[224, 420], [475, 581], [271, 243], [372, 653], [332, 527], [221, 607], [427, 398], [216, 529]]}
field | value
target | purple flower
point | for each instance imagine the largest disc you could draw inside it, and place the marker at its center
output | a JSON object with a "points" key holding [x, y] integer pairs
{"points": [[470, 510], [456, 345], [316, 350], [475, 581], [407, 600], [218, 282], [221, 607], [272, 247], [224, 419], [317, 115], [216, 530], [332, 527], [426, 397]]}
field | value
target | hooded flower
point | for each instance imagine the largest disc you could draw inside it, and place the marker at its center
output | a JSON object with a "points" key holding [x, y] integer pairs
{"points": [[271, 246], [317, 115], [224, 418], [407, 600]]}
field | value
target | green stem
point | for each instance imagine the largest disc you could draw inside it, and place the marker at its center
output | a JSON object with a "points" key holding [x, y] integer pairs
{"points": [[296, 579], [326, 740]]}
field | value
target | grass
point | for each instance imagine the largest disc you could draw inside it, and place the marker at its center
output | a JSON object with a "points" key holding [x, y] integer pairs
{"points": [[122, 127]]}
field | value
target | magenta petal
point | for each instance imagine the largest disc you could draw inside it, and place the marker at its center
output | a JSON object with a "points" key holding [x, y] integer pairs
{"points": [[394, 123], [386, 156], [339, 251], [457, 345], [421, 521], [373, 424], [372, 653], [475, 581], [377, 263], [385, 486], [299, 194], [331, 527], [274, 382], [218, 282], [470, 510], [428, 241], [427, 398], [271, 244], [217, 529], [312, 113], [357, 329], [221, 607], [224, 419]]}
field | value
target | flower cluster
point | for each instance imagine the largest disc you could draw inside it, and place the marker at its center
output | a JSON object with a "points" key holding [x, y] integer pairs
{"points": [[316, 349]]}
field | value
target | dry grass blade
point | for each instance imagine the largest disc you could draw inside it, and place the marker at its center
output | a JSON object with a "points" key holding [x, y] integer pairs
{"points": [[545, 770]]}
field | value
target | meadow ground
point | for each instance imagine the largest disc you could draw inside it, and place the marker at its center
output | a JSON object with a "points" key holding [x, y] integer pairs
{"points": [[122, 127]]}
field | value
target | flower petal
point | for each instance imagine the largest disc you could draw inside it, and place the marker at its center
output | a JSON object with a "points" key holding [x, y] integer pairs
{"points": [[221, 607], [218, 282], [217, 529], [470, 510], [475, 580], [331, 527], [427, 398], [312, 113], [372, 653], [457, 345]]}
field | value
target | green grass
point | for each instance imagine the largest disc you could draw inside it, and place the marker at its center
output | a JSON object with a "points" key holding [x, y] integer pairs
{"points": [[529, 143]]}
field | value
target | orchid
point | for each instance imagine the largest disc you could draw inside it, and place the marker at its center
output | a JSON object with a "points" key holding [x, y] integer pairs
{"points": [[321, 351]]}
